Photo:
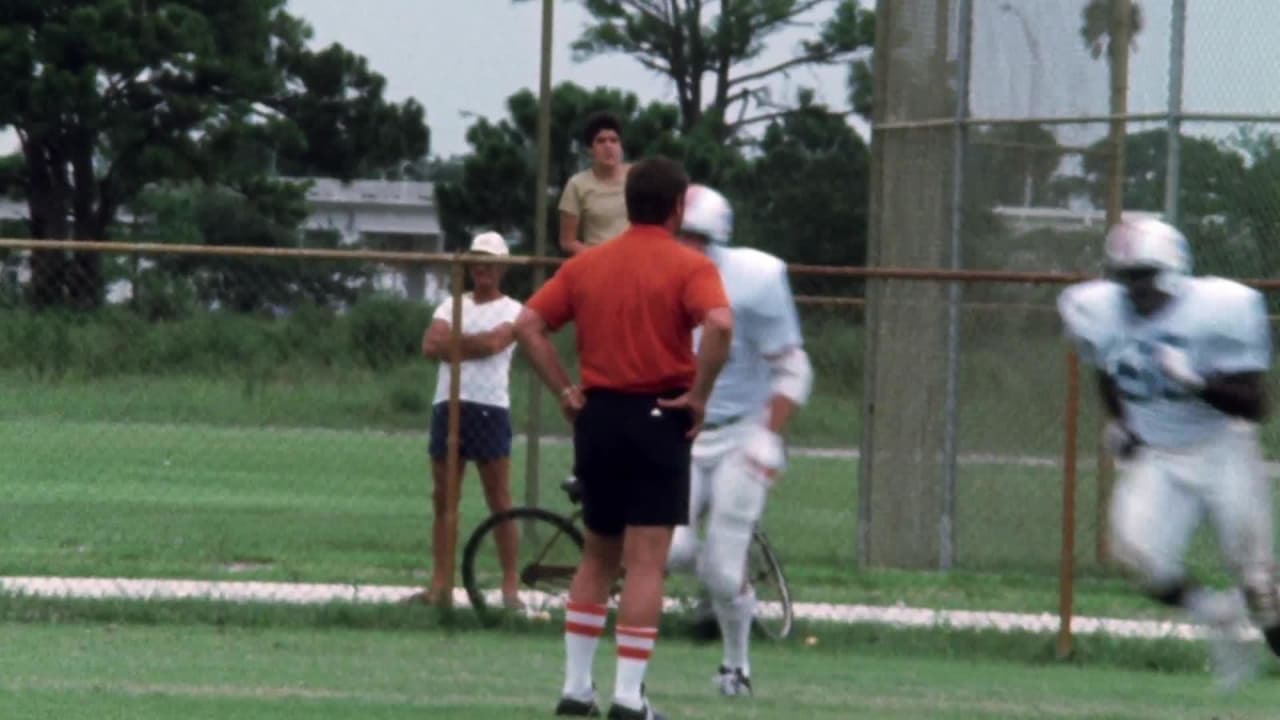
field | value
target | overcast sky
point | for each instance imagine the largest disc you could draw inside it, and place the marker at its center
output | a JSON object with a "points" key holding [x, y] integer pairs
{"points": [[461, 56], [467, 56], [458, 56]]}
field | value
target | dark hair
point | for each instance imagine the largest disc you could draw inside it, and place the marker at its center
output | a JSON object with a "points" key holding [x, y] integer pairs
{"points": [[654, 187], [597, 123]]}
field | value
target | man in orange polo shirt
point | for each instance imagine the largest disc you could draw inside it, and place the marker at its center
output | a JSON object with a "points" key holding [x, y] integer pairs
{"points": [[635, 302]]}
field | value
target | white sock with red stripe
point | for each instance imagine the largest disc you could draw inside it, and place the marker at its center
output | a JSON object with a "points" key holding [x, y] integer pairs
{"points": [[583, 625], [635, 645]]}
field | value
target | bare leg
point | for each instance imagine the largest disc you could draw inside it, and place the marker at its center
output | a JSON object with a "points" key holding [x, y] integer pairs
{"points": [[495, 475], [439, 527], [601, 562], [644, 555], [587, 613]]}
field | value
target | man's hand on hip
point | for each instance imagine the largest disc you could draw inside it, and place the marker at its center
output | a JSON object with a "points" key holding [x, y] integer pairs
{"points": [[692, 403], [571, 402]]}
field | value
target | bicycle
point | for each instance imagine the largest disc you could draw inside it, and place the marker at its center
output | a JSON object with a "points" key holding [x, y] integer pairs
{"points": [[556, 544]]}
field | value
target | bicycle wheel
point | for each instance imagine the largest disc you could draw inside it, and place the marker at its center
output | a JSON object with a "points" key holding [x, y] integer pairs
{"points": [[548, 549], [774, 614]]}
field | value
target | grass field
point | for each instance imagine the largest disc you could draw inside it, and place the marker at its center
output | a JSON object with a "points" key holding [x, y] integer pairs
{"points": [[264, 473], [149, 500], [72, 671]]}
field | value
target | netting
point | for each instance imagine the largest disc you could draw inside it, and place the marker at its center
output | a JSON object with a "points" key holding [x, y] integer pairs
{"points": [[1045, 161], [229, 423]]}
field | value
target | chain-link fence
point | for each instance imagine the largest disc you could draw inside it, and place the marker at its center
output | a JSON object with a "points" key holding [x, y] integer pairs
{"points": [[1007, 136], [307, 439], [175, 422]]}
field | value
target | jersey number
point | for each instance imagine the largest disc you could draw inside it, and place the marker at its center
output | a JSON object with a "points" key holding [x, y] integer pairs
{"points": [[1138, 375]]}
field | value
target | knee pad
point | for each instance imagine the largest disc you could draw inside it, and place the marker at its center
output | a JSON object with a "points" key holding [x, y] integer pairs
{"points": [[722, 566], [737, 501]]}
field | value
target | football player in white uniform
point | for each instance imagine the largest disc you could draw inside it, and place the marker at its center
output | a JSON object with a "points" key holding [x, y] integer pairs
{"points": [[1181, 365], [739, 454]]}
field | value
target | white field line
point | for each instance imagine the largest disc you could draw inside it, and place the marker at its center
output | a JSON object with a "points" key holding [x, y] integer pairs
{"points": [[899, 616]]}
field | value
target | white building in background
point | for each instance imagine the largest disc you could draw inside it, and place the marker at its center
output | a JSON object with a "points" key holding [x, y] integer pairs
{"points": [[384, 215], [374, 214], [1026, 219]]}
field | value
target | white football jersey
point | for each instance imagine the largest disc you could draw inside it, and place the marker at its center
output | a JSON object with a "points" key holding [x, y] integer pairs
{"points": [[1221, 324], [765, 323]]}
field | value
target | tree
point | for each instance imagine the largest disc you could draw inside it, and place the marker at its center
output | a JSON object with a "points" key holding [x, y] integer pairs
{"points": [[684, 41], [1098, 23], [494, 190], [1111, 26], [263, 214], [804, 197], [1257, 205], [1013, 165], [1209, 183], [109, 96]]}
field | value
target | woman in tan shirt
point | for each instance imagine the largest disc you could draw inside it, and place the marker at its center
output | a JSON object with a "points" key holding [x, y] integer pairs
{"points": [[592, 206]]}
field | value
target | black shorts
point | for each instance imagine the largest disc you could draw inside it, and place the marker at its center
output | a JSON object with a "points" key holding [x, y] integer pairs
{"points": [[632, 461], [484, 432]]}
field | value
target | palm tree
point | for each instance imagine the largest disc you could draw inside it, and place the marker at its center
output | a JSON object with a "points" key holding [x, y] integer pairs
{"points": [[1104, 22], [1098, 23]]}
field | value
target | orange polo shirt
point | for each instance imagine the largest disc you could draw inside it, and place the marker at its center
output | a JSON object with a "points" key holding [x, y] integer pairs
{"points": [[635, 302]]}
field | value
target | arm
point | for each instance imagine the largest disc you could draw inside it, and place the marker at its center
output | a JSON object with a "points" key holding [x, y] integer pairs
{"points": [[1243, 395], [571, 218], [782, 344], [792, 381], [1240, 394], [532, 333], [1119, 440], [713, 351], [569, 234], [1110, 396], [435, 342], [1234, 381]]}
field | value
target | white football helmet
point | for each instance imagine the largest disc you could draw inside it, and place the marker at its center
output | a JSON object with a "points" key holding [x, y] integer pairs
{"points": [[707, 213], [1149, 244]]}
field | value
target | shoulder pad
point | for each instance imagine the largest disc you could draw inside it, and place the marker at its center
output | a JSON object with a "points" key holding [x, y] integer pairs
{"points": [[1225, 295], [1091, 312], [755, 274]]}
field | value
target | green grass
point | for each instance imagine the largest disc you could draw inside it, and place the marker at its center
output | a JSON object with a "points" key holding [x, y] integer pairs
{"points": [[292, 473], [148, 500], [395, 400], [94, 671]]}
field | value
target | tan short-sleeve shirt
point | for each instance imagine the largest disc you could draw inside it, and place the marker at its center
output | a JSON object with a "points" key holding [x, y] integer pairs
{"points": [[601, 206]]}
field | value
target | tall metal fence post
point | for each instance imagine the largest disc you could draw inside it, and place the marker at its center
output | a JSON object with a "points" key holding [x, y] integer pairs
{"points": [[533, 424], [1173, 149], [950, 443]]}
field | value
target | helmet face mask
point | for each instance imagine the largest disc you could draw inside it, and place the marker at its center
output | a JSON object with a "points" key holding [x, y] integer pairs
{"points": [[1150, 259], [1142, 287]]}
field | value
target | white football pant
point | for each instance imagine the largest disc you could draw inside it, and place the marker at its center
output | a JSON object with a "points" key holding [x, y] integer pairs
{"points": [[731, 493], [1162, 495]]}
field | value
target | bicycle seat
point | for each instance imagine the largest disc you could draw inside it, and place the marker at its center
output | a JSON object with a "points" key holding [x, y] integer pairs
{"points": [[573, 488]]}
